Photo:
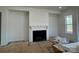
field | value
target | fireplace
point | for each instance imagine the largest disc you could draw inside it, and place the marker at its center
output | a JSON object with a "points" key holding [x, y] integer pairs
{"points": [[39, 35]]}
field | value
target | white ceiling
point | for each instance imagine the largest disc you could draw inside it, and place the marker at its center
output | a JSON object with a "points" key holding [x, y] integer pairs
{"points": [[44, 7], [50, 7]]}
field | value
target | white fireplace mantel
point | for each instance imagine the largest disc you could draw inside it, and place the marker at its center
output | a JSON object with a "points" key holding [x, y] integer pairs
{"points": [[36, 28]]}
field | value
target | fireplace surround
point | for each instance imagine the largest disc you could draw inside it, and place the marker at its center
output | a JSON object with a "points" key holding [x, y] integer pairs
{"points": [[39, 29]]}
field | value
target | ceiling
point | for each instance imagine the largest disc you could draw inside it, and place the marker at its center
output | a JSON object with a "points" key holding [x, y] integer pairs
{"points": [[50, 7], [45, 7]]}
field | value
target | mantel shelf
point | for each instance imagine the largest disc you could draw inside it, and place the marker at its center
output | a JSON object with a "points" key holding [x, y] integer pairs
{"points": [[38, 27]]}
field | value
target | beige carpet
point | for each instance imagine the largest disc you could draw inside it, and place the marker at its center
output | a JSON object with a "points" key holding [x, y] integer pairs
{"points": [[25, 47]]}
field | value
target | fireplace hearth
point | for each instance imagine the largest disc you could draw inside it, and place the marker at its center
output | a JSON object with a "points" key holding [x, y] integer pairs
{"points": [[39, 35]]}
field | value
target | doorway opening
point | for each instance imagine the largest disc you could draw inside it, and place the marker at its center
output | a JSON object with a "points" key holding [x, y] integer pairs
{"points": [[18, 25]]}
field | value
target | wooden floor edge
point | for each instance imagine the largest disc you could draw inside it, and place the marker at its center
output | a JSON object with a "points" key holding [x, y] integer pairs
{"points": [[13, 42]]}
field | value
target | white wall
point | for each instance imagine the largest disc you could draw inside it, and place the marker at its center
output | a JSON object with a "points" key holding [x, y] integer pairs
{"points": [[77, 14], [61, 21], [78, 27], [53, 25], [36, 17], [61, 24], [26, 24], [3, 25]]}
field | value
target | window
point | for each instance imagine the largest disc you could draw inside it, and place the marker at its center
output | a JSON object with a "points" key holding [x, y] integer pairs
{"points": [[68, 24]]}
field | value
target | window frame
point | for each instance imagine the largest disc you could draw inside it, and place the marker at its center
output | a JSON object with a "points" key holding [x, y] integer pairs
{"points": [[67, 32]]}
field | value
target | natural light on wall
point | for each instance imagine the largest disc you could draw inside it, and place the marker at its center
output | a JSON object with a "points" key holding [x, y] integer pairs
{"points": [[68, 24]]}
